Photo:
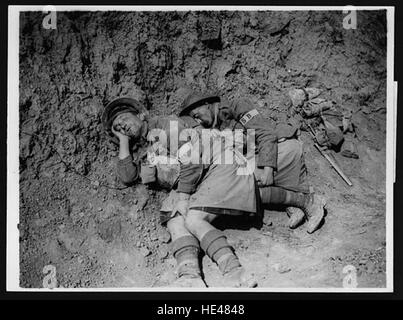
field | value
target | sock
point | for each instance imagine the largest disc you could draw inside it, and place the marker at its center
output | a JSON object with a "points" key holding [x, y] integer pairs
{"points": [[290, 198], [277, 195], [216, 246], [186, 253], [297, 199]]}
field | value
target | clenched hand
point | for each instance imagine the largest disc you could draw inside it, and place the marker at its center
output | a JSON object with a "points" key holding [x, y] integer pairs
{"points": [[265, 176], [182, 205]]}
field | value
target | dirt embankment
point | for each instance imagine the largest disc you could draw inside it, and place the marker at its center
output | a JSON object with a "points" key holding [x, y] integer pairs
{"points": [[77, 216]]}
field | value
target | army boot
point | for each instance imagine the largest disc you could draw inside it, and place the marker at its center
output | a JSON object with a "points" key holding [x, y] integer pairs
{"points": [[295, 217]]}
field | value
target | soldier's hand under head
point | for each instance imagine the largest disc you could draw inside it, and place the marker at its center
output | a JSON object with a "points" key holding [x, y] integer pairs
{"points": [[127, 124], [119, 134]]}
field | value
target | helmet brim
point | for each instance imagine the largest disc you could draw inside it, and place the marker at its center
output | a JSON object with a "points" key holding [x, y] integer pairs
{"points": [[207, 98]]}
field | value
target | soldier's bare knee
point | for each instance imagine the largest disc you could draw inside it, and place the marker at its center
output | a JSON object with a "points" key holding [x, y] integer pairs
{"points": [[192, 223], [193, 220], [176, 227]]}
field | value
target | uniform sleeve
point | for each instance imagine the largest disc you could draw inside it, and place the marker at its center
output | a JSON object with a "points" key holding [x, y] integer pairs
{"points": [[189, 174], [266, 137], [127, 171], [189, 177]]}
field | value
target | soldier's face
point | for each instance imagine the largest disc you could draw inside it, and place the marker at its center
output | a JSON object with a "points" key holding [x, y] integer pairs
{"points": [[203, 115], [128, 124]]}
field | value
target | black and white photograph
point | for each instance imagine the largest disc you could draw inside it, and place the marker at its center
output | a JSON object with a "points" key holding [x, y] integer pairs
{"points": [[200, 148]]}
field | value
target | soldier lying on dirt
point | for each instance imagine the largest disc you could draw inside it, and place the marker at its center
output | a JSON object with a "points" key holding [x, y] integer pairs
{"points": [[280, 161], [192, 230], [216, 189], [126, 125]]}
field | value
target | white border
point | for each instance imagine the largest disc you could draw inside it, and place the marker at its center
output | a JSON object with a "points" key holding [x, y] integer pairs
{"points": [[391, 102], [13, 128], [199, 8], [13, 268]]}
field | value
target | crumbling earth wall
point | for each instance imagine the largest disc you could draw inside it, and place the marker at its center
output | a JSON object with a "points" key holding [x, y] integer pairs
{"points": [[74, 213]]}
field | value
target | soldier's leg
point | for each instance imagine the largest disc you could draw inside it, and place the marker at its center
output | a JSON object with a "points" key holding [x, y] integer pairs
{"points": [[291, 187], [185, 249], [291, 171], [215, 245], [312, 205]]}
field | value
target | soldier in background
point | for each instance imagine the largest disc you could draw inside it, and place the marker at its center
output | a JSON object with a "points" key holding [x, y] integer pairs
{"points": [[280, 161]]}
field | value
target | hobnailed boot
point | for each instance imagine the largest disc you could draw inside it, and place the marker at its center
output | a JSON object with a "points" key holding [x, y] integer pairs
{"points": [[315, 211], [189, 275], [234, 274], [296, 217], [216, 246]]}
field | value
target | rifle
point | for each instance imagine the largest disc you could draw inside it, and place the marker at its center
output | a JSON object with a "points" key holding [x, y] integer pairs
{"points": [[328, 158]]}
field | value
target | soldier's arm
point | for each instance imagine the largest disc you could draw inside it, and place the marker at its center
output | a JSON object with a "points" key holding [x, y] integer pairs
{"points": [[189, 177], [266, 138], [190, 173], [191, 170], [127, 171]]}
